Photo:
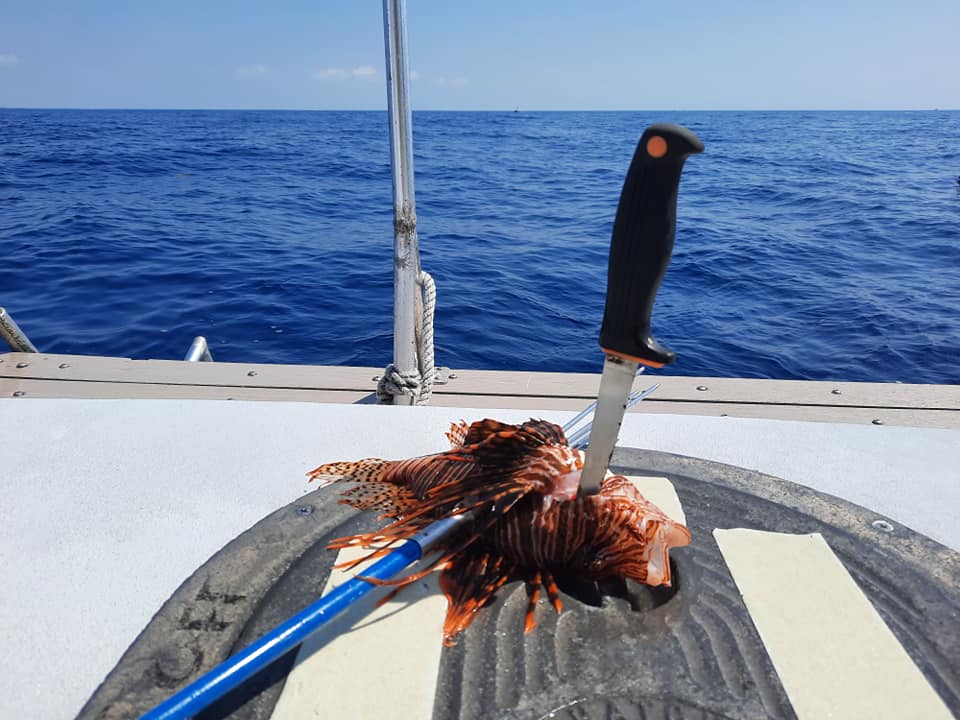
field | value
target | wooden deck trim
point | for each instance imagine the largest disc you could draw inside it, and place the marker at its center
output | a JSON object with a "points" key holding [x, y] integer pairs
{"points": [[80, 376]]}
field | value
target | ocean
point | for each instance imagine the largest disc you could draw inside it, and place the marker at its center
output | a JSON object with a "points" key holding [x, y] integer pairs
{"points": [[810, 245]]}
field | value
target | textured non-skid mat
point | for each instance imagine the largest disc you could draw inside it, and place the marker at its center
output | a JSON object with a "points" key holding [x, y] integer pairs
{"points": [[690, 651]]}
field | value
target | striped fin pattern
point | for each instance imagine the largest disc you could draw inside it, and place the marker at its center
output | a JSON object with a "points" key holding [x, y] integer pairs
{"points": [[457, 433], [510, 478], [616, 533], [368, 470]]}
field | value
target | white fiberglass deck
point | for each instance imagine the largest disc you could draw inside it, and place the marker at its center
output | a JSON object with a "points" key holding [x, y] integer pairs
{"points": [[111, 504]]}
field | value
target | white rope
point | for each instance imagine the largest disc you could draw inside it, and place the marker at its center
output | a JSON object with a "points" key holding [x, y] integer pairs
{"points": [[428, 372], [417, 383]]}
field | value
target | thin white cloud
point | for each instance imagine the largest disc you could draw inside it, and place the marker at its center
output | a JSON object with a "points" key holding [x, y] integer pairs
{"points": [[327, 73], [252, 71], [414, 75], [458, 81], [9, 60], [335, 73]]}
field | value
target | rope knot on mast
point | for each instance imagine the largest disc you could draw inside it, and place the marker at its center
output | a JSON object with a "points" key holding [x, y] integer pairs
{"points": [[393, 382], [416, 383]]}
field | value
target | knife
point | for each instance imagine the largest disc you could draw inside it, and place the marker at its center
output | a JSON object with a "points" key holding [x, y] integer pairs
{"points": [[640, 249]]}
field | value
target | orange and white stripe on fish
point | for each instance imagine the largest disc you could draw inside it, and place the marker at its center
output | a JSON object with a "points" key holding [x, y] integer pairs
{"points": [[519, 482]]}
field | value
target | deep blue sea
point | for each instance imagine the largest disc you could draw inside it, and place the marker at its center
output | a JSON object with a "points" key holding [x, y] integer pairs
{"points": [[810, 245]]}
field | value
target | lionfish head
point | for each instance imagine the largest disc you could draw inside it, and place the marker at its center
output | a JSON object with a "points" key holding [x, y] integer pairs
{"points": [[640, 538], [555, 473]]}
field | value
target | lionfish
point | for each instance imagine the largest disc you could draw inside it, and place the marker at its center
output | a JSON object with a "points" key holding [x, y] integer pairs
{"points": [[519, 483]]}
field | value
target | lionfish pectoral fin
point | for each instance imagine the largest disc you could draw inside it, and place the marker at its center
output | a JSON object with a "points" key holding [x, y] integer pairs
{"points": [[367, 470], [469, 582], [374, 581], [440, 561], [323, 479], [676, 535], [669, 535], [545, 431], [386, 498], [480, 430], [357, 561], [457, 433]]}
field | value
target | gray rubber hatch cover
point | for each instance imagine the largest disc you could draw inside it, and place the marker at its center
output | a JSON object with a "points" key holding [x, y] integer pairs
{"points": [[628, 652]]}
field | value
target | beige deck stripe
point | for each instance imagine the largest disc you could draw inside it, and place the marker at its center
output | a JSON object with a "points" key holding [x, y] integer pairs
{"points": [[835, 656], [379, 663], [384, 663], [661, 493]]}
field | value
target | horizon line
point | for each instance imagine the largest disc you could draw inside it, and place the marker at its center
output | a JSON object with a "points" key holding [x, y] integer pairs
{"points": [[468, 110]]}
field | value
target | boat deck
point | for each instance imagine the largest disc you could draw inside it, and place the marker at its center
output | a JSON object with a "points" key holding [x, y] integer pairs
{"points": [[115, 504], [80, 376]]}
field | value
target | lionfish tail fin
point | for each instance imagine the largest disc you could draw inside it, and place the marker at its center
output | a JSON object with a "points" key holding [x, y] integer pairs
{"points": [[368, 470]]}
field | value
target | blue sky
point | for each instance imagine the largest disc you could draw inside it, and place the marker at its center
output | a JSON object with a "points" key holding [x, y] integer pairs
{"points": [[739, 54]]}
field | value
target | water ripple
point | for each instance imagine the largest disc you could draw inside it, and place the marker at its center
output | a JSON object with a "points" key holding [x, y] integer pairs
{"points": [[810, 245]]}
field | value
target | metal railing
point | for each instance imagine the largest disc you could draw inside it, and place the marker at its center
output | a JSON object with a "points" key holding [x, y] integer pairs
{"points": [[15, 337], [199, 351]]}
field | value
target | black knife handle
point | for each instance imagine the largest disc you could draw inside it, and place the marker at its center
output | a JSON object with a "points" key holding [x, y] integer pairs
{"points": [[642, 242]]}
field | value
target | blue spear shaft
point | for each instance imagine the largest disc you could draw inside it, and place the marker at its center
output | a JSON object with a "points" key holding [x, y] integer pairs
{"points": [[269, 648]]}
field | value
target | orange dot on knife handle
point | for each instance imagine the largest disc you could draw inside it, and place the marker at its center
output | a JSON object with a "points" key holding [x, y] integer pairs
{"points": [[656, 146]]}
